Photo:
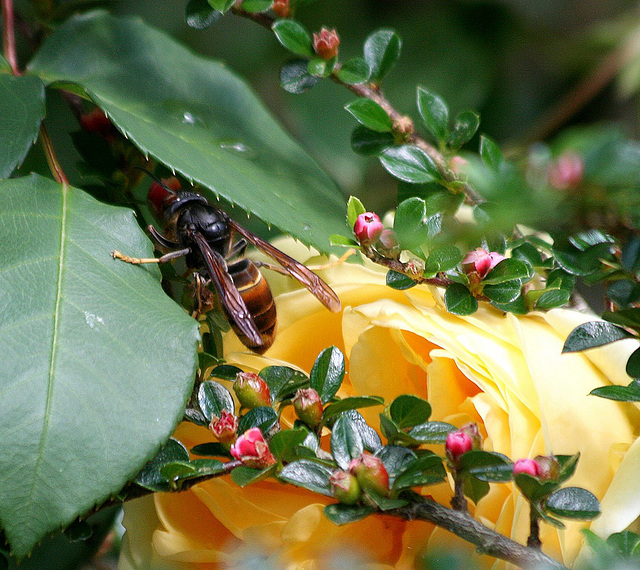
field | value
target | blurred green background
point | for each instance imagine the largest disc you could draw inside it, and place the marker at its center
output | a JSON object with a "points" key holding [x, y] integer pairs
{"points": [[515, 61]]}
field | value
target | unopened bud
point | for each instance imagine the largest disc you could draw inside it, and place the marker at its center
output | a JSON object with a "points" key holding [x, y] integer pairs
{"points": [[252, 391], [457, 444], [345, 487], [325, 43], [281, 8], [567, 171], [457, 164], [308, 406], [371, 474], [225, 427], [367, 228], [548, 467], [253, 450], [528, 466], [480, 261]]}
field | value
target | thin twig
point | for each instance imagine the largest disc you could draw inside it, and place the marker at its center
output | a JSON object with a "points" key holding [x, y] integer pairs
{"points": [[486, 540], [8, 36]]}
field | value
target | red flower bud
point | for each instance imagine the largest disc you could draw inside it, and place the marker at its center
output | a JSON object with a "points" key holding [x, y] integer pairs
{"points": [[95, 121], [528, 466], [567, 171], [480, 261], [252, 391], [457, 444], [281, 8], [252, 450], [225, 427], [308, 406], [345, 487], [548, 467], [371, 474], [325, 43], [368, 228]]}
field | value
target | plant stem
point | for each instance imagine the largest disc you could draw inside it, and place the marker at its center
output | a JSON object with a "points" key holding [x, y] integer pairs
{"points": [[401, 122], [52, 160], [8, 36], [458, 501], [534, 530], [486, 540]]}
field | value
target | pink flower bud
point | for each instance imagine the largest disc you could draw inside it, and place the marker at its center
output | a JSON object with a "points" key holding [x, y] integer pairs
{"points": [[252, 391], [325, 43], [308, 406], [457, 444], [480, 261], [457, 164], [345, 487], [225, 427], [528, 466], [252, 450], [370, 473], [367, 228], [567, 171], [281, 8], [548, 467]]}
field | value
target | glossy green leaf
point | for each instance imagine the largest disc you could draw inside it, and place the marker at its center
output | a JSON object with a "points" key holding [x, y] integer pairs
{"points": [[243, 475], [352, 403], [413, 224], [583, 262], [221, 5], [309, 475], [487, 466], [327, 373], [262, 417], [283, 442], [626, 543], [90, 350], [431, 432], [465, 126], [475, 488], [395, 459], [633, 364], [213, 397], [552, 298], [283, 381], [490, 153], [151, 477], [354, 209], [21, 112], [459, 300], [370, 438], [409, 163], [370, 114], [353, 71], [425, 470], [629, 393], [503, 293], [367, 142], [434, 112], [508, 270], [443, 258], [385, 503], [293, 36], [196, 117], [534, 489], [225, 372], [346, 441], [199, 14], [255, 6], [340, 514], [295, 77], [593, 334], [211, 449], [574, 503], [318, 67], [399, 281], [381, 52], [626, 317], [408, 410]]}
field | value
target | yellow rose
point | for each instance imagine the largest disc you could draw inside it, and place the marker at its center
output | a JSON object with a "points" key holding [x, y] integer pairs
{"points": [[504, 372]]}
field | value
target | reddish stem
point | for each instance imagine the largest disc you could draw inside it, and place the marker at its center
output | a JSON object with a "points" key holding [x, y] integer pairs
{"points": [[9, 37]]}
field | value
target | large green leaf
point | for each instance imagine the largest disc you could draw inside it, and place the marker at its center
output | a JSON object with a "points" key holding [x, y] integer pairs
{"points": [[97, 362], [21, 111], [198, 118]]}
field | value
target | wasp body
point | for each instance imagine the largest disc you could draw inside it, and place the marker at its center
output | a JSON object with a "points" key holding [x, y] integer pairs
{"points": [[206, 236]]}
